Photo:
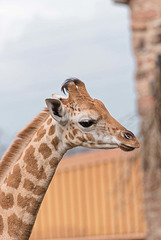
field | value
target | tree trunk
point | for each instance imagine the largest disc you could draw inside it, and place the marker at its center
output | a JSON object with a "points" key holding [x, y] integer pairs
{"points": [[152, 163]]}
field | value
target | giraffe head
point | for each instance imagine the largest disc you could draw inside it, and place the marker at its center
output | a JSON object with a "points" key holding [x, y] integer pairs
{"points": [[86, 121]]}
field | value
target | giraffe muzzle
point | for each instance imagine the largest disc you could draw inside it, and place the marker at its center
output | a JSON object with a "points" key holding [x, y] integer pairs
{"points": [[126, 148], [128, 141]]}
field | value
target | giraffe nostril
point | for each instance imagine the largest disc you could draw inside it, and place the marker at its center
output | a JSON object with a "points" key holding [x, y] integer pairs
{"points": [[128, 135]]}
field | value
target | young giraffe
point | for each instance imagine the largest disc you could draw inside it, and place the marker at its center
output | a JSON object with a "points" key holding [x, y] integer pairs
{"points": [[31, 161]]}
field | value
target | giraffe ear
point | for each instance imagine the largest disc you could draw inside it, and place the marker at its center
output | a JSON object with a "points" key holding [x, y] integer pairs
{"points": [[57, 110]]}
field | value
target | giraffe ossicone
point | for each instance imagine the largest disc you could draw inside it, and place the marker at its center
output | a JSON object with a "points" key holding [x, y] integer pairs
{"points": [[30, 163]]}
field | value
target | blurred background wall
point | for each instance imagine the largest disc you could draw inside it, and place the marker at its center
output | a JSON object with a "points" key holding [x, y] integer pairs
{"points": [[145, 20]]}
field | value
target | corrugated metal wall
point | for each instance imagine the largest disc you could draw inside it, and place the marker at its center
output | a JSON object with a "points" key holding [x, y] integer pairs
{"points": [[98, 197]]}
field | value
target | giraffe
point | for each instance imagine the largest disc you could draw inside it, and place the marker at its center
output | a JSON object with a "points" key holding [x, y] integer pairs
{"points": [[30, 163]]}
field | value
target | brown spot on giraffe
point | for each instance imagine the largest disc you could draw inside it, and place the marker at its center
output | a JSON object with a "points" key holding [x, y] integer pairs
{"points": [[45, 150], [92, 144], [17, 228], [53, 162], [31, 164], [51, 130], [49, 121], [76, 131], [41, 132], [81, 138], [71, 107], [29, 203], [6, 200], [28, 185], [37, 190], [55, 142], [69, 145], [1, 225], [90, 137], [71, 136], [14, 178], [77, 142]]}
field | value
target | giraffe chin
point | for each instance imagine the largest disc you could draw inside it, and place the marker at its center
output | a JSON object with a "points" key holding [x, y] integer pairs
{"points": [[126, 148]]}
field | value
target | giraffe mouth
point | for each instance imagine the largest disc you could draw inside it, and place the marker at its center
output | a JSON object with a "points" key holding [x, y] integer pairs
{"points": [[126, 148]]}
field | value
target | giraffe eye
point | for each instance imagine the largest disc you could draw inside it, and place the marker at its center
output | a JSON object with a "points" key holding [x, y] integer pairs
{"points": [[86, 124]]}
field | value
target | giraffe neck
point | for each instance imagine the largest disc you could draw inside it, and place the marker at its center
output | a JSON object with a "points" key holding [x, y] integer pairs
{"points": [[23, 190]]}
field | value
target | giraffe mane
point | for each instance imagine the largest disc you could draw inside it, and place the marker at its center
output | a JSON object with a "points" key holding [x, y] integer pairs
{"points": [[23, 138]]}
